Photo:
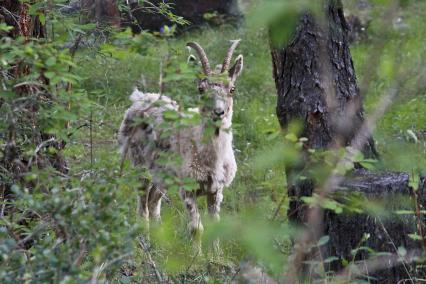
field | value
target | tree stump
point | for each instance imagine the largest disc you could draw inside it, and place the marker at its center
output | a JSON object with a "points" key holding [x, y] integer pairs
{"points": [[382, 233]]}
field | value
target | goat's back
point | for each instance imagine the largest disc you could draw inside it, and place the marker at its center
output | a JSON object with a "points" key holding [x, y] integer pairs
{"points": [[139, 136]]}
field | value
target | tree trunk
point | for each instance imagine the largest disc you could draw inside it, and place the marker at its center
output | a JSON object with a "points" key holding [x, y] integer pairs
{"points": [[102, 11], [316, 85], [16, 14]]}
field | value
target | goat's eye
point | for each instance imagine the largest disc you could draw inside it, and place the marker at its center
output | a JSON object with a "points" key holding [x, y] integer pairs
{"points": [[232, 90]]}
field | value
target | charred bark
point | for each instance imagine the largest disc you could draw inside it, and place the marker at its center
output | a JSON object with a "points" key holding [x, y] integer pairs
{"points": [[216, 12]]}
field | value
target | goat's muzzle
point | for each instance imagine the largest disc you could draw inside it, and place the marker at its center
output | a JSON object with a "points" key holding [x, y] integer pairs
{"points": [[218, 113]]}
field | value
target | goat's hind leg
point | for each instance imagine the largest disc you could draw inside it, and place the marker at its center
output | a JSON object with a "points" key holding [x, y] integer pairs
{"points": [[214, 200], [142, 205], [154, 203]]}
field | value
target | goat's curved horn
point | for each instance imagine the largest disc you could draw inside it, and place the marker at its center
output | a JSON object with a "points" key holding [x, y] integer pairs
{"points": [[228, 56], [202, 55]]}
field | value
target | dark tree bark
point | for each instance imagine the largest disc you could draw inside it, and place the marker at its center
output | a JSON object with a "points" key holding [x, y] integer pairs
{"points": [[14, 162], [15, 14], [316, 85], [142, 16], [387, 233], [102, 11]]}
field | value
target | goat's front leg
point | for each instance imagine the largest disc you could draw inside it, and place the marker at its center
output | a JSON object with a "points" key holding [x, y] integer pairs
{"points": [[189, 199], [195, 225], [214, 200]]}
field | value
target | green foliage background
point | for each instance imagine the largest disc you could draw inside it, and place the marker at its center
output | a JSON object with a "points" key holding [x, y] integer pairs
{"points": [[83, 225]]}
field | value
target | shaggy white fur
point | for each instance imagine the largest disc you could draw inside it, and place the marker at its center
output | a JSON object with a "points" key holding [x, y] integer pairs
{"points": [[148, 140]]}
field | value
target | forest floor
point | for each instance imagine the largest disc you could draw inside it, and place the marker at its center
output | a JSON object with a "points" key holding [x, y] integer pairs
{"points": [[257, 196]]}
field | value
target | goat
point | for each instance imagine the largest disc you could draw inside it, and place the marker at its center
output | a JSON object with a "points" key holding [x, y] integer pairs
{"points": [[210, 160]]}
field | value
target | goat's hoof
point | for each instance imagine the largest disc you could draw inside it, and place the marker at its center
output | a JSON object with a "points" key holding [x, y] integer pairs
{"points": [[217, 251], [196, 234], [197, 250], [196, 229]]}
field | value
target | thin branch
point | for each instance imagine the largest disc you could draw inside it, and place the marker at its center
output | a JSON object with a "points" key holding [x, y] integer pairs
{"points": [[151, 262], [98, 270], [375, 264], [38, 148]]}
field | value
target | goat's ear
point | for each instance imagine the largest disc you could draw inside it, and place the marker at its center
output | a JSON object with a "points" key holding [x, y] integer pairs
{"points": [[236, 69], [192, 60]]}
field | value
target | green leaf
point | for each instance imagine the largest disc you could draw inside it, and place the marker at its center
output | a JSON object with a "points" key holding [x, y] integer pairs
{"points": [[49, 74], [291, 137], [415, 237], [171, 115], [402, 251], [323, 240], [51, 61], [5, 28]]}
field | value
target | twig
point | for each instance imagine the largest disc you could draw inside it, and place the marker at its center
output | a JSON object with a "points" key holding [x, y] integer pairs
{"points": [[151, 262], [98, 270], [38, 148], [160, 79], [235, 274], [192, 262], [3, 202], [277, 210], [91, 138], [73, 50], [82, 253], [395, 248], [375, 264], [36, 230]]}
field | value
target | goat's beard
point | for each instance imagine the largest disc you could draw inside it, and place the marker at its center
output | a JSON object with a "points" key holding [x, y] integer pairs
{"points": [[214, 123]]}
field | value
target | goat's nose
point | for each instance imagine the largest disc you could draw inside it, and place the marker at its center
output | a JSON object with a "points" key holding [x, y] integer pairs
{"points": [[219, 111]]}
